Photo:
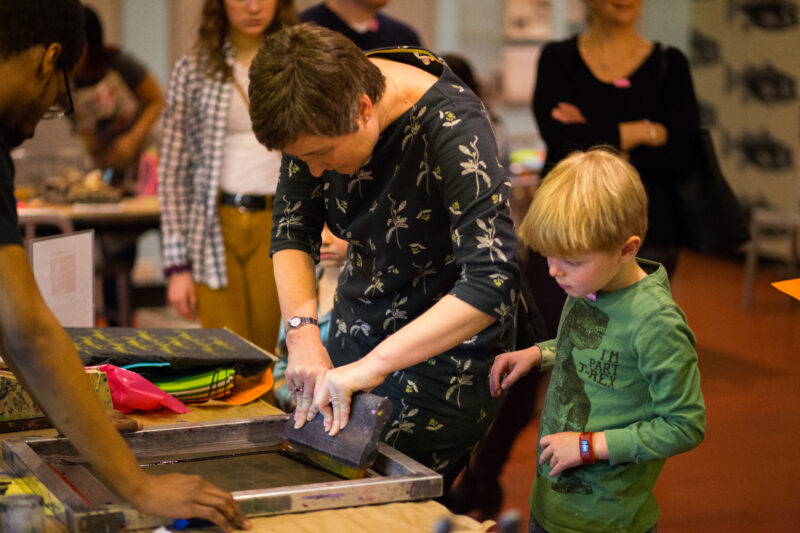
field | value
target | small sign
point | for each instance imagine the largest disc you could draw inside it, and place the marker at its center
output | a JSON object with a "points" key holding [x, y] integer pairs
{"points": [[63, 266]]}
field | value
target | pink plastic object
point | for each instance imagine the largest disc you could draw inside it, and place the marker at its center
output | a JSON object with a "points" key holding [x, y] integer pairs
{"points": [[147, 182], [130, 391]]}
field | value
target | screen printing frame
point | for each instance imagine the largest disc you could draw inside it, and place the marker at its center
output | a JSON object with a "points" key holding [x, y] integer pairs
{"points": [[393, 478]]}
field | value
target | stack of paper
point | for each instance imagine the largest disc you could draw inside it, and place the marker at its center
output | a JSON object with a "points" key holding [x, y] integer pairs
{"points": [[199, 387]]}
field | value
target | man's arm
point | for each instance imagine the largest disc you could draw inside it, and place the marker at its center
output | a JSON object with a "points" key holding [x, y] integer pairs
{"points": [[43, 358]]}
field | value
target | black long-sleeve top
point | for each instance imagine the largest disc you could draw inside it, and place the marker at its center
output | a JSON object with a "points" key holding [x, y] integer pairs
{"points": [[659, 90]]}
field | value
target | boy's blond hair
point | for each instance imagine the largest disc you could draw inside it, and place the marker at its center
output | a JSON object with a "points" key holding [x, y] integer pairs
{"points": [[591, 201]]}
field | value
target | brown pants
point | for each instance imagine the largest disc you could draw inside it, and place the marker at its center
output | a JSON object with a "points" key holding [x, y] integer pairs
{"points": [[248, 305]]}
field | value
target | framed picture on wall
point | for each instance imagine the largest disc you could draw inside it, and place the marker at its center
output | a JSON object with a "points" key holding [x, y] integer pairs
{"points": [[528, 19]]}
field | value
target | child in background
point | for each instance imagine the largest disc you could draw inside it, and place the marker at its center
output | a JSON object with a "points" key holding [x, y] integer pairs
{"points": [[332, 255], [625, 389]]}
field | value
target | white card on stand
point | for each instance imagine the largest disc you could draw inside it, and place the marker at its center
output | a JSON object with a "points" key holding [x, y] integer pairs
{"points": [[63, 266]]}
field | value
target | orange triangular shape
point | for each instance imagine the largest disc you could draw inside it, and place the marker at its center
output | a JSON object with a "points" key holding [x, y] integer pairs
{"points": [[790, 287]]}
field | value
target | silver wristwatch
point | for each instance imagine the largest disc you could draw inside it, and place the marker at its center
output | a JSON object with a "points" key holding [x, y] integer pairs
{"points": [[297, 321]]}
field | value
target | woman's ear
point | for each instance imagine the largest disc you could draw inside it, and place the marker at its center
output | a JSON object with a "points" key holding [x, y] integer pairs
{"points": [[366, 108], [630, 248]]}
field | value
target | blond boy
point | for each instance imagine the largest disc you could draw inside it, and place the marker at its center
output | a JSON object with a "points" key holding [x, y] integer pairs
{"points": [[624, 393]]}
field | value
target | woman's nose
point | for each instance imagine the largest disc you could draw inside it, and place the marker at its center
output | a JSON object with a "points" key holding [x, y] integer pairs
{"points": [[316, 169]]}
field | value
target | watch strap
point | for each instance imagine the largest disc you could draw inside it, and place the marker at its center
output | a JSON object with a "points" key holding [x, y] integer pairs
{"points": [[298, 321], [586, 448]]}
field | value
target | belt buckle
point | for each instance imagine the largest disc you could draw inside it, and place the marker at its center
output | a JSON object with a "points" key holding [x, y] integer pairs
{"points": [[237, 199]]}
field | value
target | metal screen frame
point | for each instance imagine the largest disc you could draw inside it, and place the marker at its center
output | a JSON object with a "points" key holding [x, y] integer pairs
{"points": [[393, 478]]}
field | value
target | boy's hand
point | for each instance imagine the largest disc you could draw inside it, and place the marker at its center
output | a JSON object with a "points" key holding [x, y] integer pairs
{"points": [[509, 367], [561, 450]]}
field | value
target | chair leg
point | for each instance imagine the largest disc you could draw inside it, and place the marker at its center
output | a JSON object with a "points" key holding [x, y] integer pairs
{"points": [[123, 298], [750, 266]]}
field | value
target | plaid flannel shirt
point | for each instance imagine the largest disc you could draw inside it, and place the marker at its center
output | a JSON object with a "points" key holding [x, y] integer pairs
{"points": [[190, 166]]}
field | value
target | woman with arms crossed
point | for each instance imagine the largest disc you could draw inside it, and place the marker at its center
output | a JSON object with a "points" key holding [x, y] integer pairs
{"points": [[611, 86]]}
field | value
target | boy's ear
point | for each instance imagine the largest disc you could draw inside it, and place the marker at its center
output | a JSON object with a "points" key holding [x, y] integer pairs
{"points": [[630, 248]]}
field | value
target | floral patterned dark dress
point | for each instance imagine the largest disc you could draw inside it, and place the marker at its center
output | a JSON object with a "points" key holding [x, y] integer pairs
{"points": [[426, 216]]}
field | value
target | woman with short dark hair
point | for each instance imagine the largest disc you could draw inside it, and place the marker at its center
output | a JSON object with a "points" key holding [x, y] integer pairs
{"points": [[398, 158]]}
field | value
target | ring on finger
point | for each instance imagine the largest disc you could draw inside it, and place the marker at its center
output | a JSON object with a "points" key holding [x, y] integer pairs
{"points": [[334, 399], [298, 389]]}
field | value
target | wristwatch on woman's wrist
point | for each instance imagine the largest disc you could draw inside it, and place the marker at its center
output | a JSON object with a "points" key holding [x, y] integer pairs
{"points": [[297, 321]]}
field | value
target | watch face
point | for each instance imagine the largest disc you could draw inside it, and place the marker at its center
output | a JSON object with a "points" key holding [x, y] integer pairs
{"points": [[294, 321], [584, 446]]}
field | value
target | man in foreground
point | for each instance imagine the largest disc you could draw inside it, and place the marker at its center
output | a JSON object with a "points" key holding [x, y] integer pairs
{"points": [[40, 43]]}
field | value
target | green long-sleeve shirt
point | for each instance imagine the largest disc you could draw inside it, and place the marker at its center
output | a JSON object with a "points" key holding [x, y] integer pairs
{"points": [[626, 365]]}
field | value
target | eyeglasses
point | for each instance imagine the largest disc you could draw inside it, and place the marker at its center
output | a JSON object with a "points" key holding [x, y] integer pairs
{"points": [[63, 106]]}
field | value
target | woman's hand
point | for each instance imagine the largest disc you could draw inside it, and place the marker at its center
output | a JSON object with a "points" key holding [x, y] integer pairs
{"points": [[568, 113], [308, 362], [656, 133], [509, 367], [642, 133], [181, 295], [182, 496], [335, 392], [561, 450]]}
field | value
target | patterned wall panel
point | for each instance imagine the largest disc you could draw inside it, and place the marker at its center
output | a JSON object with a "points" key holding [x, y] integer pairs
{"points": [[746, 64]]}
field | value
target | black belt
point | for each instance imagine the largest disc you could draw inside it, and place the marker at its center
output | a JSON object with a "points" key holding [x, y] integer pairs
{"points": [[246, 202]]}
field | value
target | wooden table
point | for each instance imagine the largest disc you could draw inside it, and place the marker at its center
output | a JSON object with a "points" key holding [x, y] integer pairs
{"points": [[403, 517], [139, 211], [116, 225]]}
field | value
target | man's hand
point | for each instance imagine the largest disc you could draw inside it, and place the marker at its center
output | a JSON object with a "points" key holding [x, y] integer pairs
{"points": [[122, 151], [123, 423], [182, 496]]}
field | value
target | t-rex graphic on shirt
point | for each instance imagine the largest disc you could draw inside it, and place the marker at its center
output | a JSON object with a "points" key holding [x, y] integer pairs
{"points": [[583, 328]]}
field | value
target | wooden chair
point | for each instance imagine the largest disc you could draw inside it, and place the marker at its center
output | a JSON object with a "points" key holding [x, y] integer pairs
{"points": [[762, 222], [32, 222]]}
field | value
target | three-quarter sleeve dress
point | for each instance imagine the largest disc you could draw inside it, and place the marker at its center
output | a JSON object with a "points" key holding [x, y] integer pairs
{"points": [[426, 216]]}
